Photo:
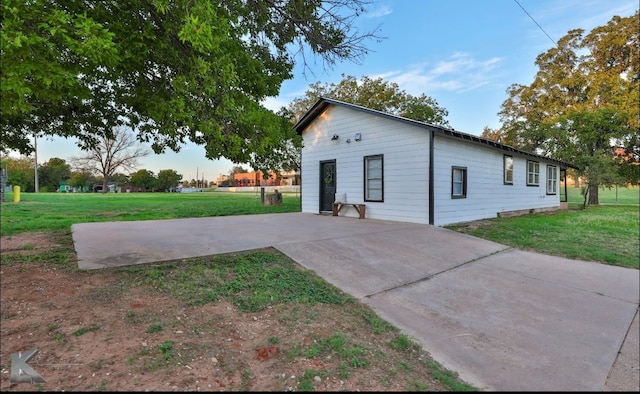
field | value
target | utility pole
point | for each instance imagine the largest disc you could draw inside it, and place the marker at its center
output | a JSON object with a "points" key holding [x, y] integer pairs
{"points": [[197, 180], [35, 147]]}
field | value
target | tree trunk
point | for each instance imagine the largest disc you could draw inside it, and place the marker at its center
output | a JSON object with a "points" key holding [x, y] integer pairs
{"points": [[104, 185], [593, 195]]}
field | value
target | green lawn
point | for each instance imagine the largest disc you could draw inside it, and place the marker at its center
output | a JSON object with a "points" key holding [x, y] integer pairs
{"points": [[615, 195], [608, 233], [57, 211]]}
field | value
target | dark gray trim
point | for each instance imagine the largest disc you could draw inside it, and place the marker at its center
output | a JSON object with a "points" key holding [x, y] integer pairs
{"points": [[324, 102], [431, 181], [365, 178], [464, 182]]}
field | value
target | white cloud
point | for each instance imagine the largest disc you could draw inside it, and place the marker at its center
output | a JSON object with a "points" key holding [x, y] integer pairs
{"points": [[380, 12], [459, 73]]}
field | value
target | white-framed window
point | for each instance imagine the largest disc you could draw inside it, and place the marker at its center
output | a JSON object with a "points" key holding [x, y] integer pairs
{"points": [[458, 182], [373, 178], [533, 173], [552, 180], [508, 170]]}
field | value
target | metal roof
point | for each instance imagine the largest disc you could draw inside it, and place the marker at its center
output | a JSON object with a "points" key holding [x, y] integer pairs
{"points": [[324, 102]]}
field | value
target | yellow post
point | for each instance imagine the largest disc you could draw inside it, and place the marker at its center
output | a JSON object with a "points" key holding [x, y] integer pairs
{"points": [[16, 194]]}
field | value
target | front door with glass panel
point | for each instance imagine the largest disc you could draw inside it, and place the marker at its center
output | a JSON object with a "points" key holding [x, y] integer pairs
{"points": [[327, 185]]}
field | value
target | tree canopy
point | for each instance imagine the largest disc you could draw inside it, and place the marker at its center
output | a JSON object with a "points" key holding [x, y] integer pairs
{"points": [[20, 172], [375, 94], [582, 106], [172, 70], [52, 173]]}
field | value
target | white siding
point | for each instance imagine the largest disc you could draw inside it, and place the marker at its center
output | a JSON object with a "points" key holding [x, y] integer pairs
{"points": [[405, 148], [487, 195], [406, 159]]}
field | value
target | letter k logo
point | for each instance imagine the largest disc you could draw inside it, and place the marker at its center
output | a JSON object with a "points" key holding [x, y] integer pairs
{"points": [[21, 372]]}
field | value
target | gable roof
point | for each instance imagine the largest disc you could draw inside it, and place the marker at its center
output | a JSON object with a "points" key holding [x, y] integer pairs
{"points": [[324, 102]]}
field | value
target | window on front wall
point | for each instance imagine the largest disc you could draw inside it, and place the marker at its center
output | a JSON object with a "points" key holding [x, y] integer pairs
{"points": [[533, 173], [458, 182], [508, 170], [373, 178], [552, 180]]}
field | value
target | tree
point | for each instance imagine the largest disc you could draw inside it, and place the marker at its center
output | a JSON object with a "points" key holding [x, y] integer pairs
{"points": [[168, 179], [114, 151], [237, 170], [496, 135], [583, 103], [374, 94], [81, 179], [20, 172], [143, 178], [119, 179], [52, 173], [173, 70], [594, 130]]}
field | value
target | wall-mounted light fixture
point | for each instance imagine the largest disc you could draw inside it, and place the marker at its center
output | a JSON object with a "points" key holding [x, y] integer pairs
{"points": [[335, 137], [358, 137]]}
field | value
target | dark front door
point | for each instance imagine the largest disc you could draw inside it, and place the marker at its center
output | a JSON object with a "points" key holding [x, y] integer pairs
{"points": [[327, 184]]}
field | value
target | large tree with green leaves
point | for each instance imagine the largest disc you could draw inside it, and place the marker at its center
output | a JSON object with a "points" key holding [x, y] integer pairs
{"points": [[374, 94], [20, 172], [52, 173], [168, 179], [143, 178], [582, 106], [173, 70], [81, 180]]}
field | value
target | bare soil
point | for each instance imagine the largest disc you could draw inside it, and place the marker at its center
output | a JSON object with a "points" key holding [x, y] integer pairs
{"points": [[95, 332]]}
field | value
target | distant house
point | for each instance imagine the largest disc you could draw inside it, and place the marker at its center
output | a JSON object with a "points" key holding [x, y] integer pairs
{"points": [[251, 179], [411, 171]]}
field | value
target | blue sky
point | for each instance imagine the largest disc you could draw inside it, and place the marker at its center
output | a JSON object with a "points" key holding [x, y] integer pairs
{"points": [[462, 53]]}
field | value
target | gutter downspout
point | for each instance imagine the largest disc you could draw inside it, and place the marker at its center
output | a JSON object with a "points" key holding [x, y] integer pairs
{"points": [[431, 181]]}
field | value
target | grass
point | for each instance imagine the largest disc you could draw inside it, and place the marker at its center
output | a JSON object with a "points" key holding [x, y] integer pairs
{"points": [[257, 280], [57, 211], [251, 281], [606, 233], [619, 195]]}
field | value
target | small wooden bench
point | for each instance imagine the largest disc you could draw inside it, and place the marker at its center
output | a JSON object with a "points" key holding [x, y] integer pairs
{"points": [[337, 206]]}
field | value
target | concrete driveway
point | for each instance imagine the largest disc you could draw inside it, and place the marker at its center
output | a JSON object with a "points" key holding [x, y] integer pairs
{"points": [[503, 319]]}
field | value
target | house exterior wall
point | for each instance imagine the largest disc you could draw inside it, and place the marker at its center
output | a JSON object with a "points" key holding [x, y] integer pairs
{"points": [[487, 194], [405, 163], [405, 149]]}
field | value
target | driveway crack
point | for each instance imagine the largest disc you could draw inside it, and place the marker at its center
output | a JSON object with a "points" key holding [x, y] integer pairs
{"points": [[428, 277]]}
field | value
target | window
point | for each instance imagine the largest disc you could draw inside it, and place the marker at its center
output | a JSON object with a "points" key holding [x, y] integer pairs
{"points": [[533, 173], [552, 180], [508, 170], [458, 182], [373, 177]]}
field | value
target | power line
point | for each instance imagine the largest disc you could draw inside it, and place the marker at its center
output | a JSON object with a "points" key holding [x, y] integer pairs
{"points": [[534, 21]]}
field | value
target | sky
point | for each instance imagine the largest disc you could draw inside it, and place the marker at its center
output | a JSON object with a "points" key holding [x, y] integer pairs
{"points": [[462, 53]]}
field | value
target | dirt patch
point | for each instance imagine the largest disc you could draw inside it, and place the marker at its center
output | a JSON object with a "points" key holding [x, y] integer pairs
{"points": [[27, 243], [96, 331]]}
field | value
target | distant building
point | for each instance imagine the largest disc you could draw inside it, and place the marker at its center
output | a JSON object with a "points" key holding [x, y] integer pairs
{"points": [[252, 179]]}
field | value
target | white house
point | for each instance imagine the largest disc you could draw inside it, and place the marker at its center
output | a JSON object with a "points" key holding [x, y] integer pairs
{"points": [[411, 171]]}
